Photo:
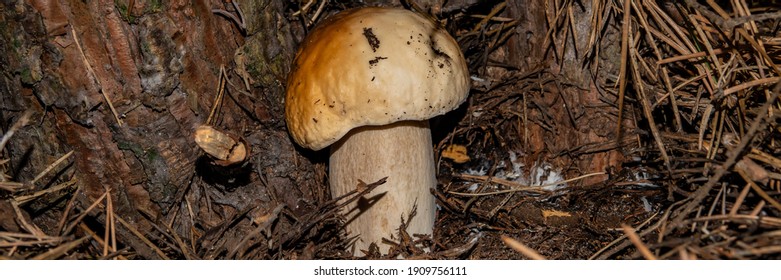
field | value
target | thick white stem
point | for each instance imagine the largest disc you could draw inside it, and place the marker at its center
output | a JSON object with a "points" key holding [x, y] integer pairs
{"points": [[402, 152]]}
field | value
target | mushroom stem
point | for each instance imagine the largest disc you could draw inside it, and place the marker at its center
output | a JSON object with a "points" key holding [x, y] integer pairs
{"points": [[402, 152]]}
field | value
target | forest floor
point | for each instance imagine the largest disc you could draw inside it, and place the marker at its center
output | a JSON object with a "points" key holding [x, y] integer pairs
{"points": [[536, 164]]}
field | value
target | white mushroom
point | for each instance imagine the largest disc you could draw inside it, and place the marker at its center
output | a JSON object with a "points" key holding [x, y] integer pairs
{"points": [[367, 81]]}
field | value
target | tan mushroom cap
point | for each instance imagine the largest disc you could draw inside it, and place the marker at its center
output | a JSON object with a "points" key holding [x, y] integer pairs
{"points": [[372, 66]]}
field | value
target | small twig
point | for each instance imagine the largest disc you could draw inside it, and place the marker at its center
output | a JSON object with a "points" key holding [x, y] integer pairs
{"points": [[85, 213], [624, 60], [107, 229], [688, 56], [516, 186], [494, 12], [21, 122], [27, 198], [632, 235], [50, 167], [647, 111], [271, 217], [318, 12], [729, 23], [142, 237], [732, 157], [29, 226], [14, 240], [92, 234], [180, 243], [238, 21], [762, 220], [304, 8], [61, 250], [92, 74], [742, 86], [217, 99], [757, 189], [498, 19], [521, 248], [66, 212], [461, 250], [643, 233], [37, 241], [740, 199], [12, 186]]}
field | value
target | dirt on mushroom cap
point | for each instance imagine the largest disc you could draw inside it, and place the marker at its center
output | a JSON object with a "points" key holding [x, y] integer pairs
{"points": [[372, 66]]}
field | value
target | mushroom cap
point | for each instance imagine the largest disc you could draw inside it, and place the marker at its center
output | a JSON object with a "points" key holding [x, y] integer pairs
{"points": [[372, 66]]}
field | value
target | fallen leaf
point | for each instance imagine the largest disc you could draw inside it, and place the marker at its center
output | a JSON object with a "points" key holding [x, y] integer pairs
{"points": [[456, 153]]}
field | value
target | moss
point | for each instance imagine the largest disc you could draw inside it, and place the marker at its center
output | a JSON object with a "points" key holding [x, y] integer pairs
{"points": [[152, 154], [263, 69], [16, 43], [129, 146], [254, 68], [146, 49], [149, 155], [124, 11], [26, 76], [155, 6]]}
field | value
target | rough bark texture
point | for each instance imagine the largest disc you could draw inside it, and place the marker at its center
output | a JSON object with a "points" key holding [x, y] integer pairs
{"points": [[573, 114]]}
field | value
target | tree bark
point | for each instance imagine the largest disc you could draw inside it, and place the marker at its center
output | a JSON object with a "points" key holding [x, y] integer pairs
{"points": [[576, 113]]}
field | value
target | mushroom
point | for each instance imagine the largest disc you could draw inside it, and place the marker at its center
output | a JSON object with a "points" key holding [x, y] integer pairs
{"points": [[366, 81], [225, 148]]}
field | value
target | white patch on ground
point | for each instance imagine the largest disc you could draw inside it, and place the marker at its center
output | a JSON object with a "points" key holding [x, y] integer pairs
{"points": [[643, 179], [646, 205], [480, 172], [544, 174], [514, 169]]}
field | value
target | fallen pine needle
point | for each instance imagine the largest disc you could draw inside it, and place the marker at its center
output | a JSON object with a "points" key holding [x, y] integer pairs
{"points": [[89, 68], [61, 250], [50, 167], [516, 187], [142, 237], [523, 249], [635, 239]]}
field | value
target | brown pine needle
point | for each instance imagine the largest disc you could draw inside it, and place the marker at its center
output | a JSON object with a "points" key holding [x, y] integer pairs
{"points": [[490, 15], [50, 167], [21, 122], [624, 60], [635, 239], [11, 186], [742, 86], [107, 230], [92, 74], [758, 189], [523, 249], [27, 198], [688, 56], [142, 237], [85, 213], [516, 187], [27, 225], [61, 250]]}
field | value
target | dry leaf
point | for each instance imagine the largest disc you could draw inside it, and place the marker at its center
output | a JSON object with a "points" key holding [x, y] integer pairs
{"points": [[456, 153]]}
